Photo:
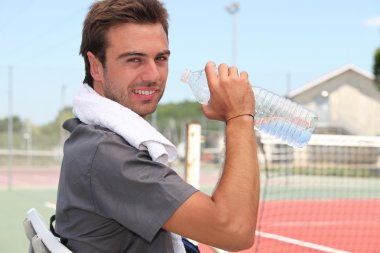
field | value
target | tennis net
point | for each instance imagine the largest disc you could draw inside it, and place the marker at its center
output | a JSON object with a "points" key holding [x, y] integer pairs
{"points": [[322, 198]]}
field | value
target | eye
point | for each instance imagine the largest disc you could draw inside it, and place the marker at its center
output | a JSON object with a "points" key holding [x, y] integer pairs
{"points": [[133, 60], [162, 58]]}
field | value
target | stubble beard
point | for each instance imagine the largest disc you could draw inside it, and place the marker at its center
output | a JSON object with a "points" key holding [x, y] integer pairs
{"points": [[120, 96]]}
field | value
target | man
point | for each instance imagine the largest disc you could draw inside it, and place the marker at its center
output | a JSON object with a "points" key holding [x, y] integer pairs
{"points": [[112, 196]]}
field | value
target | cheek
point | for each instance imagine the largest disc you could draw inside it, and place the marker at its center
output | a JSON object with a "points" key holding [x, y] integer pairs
{"points": [[122, 79], [164, 74]]}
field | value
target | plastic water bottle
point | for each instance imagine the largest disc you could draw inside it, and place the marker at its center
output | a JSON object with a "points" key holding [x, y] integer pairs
{"points": [[274, 115]]}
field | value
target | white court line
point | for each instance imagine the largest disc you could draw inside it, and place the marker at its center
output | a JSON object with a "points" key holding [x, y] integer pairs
{"points": [[299, 243], [50, 205]]}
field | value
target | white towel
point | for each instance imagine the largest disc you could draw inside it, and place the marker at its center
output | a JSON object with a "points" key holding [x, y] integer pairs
{"points": [[94, 109]]}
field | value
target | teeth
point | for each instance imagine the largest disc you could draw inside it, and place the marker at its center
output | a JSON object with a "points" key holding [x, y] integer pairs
{"points": [[144, 92]]}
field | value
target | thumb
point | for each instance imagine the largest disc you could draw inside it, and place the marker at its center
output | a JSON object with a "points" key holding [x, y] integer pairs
{"points": [[210, 113]]}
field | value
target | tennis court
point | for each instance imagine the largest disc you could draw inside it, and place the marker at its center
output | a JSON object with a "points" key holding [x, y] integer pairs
{"points": [[339, 225], [298, 213], [305, 213]]}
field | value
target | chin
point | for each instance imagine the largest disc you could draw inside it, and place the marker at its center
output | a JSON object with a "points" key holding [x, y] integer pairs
{"points": [[144, 112]]}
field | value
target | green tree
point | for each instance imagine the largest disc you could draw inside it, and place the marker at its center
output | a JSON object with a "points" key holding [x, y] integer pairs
{"points": [[376, 68], [16, 121], [49, 135], [171, 120], [173, 117], [18, 132]]}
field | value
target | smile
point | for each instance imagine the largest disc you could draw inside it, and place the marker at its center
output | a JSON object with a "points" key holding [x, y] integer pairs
{"points": [[144, 92]]}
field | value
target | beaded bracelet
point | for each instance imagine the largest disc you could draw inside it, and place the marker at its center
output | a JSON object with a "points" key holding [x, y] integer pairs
{"points": [[245, 114]]}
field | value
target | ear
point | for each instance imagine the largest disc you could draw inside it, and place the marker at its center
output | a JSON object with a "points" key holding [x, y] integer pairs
{"points": [[96, 67]]}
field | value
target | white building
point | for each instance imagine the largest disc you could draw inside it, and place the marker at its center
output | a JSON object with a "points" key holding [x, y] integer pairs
{"points": [[347, 135], [345, 100]]}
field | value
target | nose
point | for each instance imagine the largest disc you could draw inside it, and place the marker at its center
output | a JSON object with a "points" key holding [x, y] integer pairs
{"points": [[150, 72]]}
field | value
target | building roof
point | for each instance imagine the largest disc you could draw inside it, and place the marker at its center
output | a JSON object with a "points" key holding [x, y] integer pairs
{"points": [[329, 76]]}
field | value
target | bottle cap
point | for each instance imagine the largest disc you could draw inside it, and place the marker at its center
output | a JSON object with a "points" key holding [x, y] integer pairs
{"points": [[185, 76]]}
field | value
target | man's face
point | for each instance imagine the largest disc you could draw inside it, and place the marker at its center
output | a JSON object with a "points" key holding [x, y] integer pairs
{"points": [[136, 67]]}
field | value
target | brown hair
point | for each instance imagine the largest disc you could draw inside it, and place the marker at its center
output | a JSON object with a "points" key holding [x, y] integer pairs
{"points": [[104, 14]]}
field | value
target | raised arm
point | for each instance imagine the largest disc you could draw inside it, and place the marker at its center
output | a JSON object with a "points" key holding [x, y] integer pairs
{"points": [[227, 219]]}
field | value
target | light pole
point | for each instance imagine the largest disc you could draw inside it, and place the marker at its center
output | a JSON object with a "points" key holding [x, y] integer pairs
{"points": [[61, 131], [10, 130], [233, 9]]}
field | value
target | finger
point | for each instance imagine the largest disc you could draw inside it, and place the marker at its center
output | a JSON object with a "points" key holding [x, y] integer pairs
{"points": [[223, 70], [233, 71], [210, 113], [205, 109], [211, 75], [244, 74]]}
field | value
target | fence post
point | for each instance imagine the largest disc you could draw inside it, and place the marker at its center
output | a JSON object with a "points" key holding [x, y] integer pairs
{"points": [[193, 154]]}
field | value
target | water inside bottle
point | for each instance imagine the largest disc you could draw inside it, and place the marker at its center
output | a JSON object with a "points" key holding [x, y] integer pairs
{"points": [[275, 115]]}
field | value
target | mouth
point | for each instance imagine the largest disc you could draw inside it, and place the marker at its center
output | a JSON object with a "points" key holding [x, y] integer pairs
{"points": [[144, 92]]}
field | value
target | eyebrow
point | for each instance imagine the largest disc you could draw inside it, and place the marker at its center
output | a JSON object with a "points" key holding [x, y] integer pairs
{"points": [[136, 53]]}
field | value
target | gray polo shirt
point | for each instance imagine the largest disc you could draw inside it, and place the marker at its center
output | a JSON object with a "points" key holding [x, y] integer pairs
{"points": [[112, 197]]}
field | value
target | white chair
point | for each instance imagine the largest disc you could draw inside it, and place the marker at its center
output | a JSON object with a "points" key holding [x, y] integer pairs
{"points": [[41, 238]]}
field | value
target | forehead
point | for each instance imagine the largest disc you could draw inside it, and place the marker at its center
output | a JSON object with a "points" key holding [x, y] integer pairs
{"points": [[137, 37]]}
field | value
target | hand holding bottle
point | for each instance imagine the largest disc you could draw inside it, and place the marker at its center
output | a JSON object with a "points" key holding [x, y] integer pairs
{"points": [[274, 115], [231, 93]]}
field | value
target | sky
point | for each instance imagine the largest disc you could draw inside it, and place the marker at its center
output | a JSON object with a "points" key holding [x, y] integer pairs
{"points": [[283, 44]]}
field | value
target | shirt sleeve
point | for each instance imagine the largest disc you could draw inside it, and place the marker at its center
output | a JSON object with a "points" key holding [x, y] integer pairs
{"points": [[129, 187]]}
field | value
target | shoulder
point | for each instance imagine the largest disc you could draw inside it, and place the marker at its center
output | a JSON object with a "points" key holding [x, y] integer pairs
{"points": [[91, 135], [87, 141]]}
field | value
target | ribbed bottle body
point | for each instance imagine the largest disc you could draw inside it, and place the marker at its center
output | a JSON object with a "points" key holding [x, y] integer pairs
{"points": [[274, 115], [282, 118]]}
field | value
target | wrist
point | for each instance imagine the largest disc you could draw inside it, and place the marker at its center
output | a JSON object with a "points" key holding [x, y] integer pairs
{"points": [[244, 116]]}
